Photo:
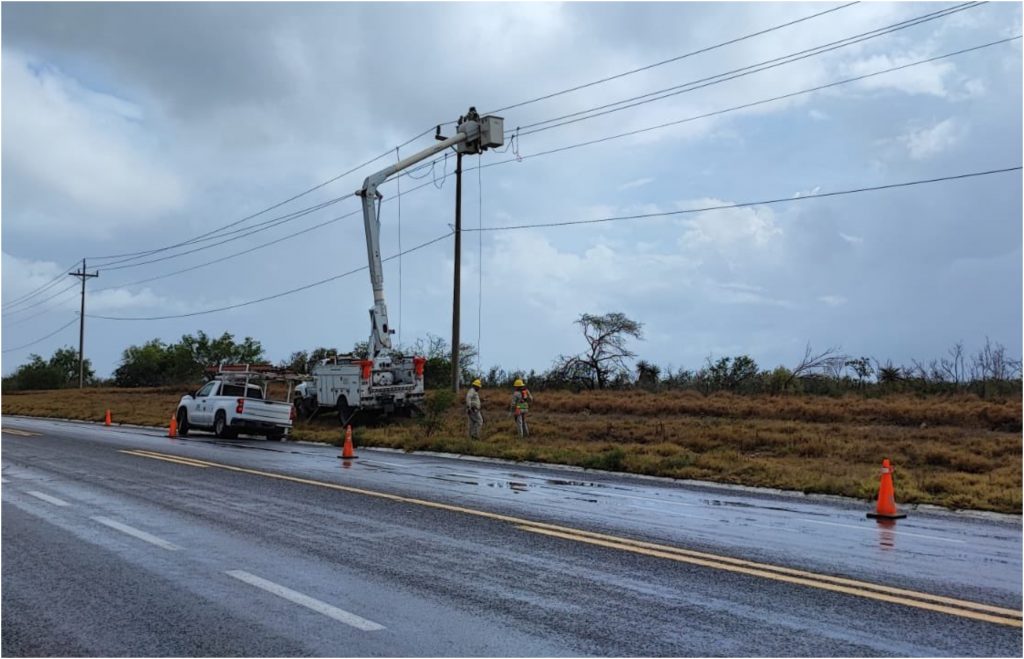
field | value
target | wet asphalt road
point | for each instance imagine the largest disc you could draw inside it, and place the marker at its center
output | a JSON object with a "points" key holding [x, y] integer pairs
{"points": [[122, 542]]}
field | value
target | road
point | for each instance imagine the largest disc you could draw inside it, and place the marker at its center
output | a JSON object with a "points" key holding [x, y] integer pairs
{"points": [[123, 542]]}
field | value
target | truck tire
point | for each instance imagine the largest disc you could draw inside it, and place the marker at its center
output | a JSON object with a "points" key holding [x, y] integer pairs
{"points": [[183, 425], [275, 436], [221, 428]]}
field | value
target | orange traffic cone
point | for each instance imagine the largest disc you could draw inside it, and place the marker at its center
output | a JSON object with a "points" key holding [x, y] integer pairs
{"points": [[346, 451], [106, 421], [173, 430], [886, 508]]}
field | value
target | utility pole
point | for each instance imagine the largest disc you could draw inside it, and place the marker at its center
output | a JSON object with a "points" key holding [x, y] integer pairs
{"points": [[458, 272], [83, 275]]}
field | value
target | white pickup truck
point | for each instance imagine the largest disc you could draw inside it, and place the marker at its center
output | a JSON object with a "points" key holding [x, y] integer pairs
{"points": [[229, 405]]}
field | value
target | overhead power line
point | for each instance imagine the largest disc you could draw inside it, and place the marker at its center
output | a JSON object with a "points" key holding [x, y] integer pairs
{"points": [[40, 289], [277, 295], [754, 103], [561, 224], [38, 302], [144, 253], [765, 202], [700, 51], [719, 78], [22, 321], [43, 338], [579, 145]]}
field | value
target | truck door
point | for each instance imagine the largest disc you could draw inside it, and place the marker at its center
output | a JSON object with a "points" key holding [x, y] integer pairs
{"points": [[203, 415]]}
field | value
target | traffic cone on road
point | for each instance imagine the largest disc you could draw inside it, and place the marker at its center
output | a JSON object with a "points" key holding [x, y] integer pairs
{"points": [[106, 421], [886, 508], [173, 430], [347, 452]]}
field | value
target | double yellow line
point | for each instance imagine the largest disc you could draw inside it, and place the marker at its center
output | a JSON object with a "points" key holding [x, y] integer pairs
{"points": [[878, 592]]}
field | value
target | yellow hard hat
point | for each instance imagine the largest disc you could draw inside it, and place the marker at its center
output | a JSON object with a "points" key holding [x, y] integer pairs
{"points": [[477, 383], [519, 383]]}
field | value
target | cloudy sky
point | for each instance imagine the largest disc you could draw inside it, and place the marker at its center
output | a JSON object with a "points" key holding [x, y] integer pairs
{"points": [[129, 128]]}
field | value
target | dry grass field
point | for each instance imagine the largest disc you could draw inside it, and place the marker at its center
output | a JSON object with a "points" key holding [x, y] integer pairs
{"points": [[954, 451]]}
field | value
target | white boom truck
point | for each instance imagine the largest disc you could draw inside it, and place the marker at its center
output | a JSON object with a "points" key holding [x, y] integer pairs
{"points": [[386, 382]]}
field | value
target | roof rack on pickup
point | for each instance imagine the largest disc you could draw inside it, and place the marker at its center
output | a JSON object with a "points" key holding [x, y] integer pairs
{"points": [[252, 372]]}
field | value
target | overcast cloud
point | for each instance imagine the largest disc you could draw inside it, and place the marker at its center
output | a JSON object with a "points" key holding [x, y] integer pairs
{"points": [[129, 127]]}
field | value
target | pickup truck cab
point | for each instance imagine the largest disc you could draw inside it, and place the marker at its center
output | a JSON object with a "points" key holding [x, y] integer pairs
{"points": [[228, 406]]}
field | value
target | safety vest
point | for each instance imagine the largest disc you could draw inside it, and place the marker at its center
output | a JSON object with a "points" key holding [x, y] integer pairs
{"points": [[523, 405]]}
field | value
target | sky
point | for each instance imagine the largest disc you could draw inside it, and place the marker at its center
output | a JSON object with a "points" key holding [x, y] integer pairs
{"points": [[132, 127]]}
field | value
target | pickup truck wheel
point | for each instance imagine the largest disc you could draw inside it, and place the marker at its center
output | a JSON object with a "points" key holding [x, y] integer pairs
{"points": [[275, 436], [220, 427], [183, 422]]}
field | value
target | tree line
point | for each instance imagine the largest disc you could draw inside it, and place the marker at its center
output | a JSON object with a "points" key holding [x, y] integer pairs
{"points": [[607, 361]]}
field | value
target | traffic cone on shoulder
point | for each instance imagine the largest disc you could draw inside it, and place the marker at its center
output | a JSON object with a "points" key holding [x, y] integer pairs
{"points": [[347, 453], [106, 421], [173, 430], [886, 508]]}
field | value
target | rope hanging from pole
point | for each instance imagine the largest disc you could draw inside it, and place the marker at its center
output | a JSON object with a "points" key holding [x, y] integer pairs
{"points": [[398, 182], [480, 265]]}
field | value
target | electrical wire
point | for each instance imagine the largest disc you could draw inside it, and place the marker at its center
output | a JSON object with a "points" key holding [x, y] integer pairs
{"points": [[753, 103], [572, 223], [650, 97], [700, 51], [265, 210], [765, 202], [518, 157], [43, 338], [74, 284], [275, 296], [40, 289], [21, 321]]}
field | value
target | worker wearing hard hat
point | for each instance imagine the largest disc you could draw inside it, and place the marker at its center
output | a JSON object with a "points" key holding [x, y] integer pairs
{"points": [[476, 418], [521, 399]]}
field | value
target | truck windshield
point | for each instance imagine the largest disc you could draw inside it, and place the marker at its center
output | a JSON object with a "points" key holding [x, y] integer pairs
{"points": [[236, 390]]}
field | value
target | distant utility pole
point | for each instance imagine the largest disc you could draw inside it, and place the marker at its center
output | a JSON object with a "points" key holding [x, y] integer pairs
{"points": [[83, 275], [458, 272]]}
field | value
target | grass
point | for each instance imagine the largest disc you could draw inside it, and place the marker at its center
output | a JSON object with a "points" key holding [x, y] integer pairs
{"points": [[954, 451]]}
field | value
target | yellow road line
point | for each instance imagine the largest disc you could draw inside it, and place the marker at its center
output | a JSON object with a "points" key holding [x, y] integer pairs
{"points": [[167, 458], [19, 432], [766, 574], [839, 584]]}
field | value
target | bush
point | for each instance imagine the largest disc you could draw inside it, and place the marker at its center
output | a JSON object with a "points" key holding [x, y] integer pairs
{"points": [[435, 408]]}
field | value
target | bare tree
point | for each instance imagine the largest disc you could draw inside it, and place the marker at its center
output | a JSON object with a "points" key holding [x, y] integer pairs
{"points": [[954, 366], [606, 353], [830, 361]]}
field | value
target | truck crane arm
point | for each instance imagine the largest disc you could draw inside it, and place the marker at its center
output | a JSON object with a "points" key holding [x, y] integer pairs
{"points": [[473, 135]]}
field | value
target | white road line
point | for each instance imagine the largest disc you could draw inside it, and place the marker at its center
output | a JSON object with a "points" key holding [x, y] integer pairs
{"points": [[135, 533], [306, 601], [47, 498], [893, 531]]}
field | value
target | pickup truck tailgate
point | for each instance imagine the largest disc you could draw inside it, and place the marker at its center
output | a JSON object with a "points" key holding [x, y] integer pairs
{"points": [[267, 411]]}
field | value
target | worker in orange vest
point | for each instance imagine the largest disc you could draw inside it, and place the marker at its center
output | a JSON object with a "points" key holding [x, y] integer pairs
{"points": [[521, 399]]}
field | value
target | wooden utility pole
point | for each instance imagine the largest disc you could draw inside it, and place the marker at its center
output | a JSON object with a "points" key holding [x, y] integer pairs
{"points": [[83, 275], [458, 272]]}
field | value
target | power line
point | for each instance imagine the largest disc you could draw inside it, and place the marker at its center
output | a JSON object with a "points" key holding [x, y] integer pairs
{"points": [[754, 103], [22, 321], [726, 76], [766, 202], [573, 223], [581, 144], [672, 59], [277, 295], [765, 65], [261, 212], [59, 329], [40, 289], [221, 259], [45, 299]]}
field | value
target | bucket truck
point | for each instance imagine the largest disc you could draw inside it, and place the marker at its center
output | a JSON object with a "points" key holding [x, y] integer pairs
{"points": [[384, 381]]}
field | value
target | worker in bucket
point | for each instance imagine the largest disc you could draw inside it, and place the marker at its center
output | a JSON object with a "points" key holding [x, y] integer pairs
{"points": [[521, 407], [476, 419]]}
